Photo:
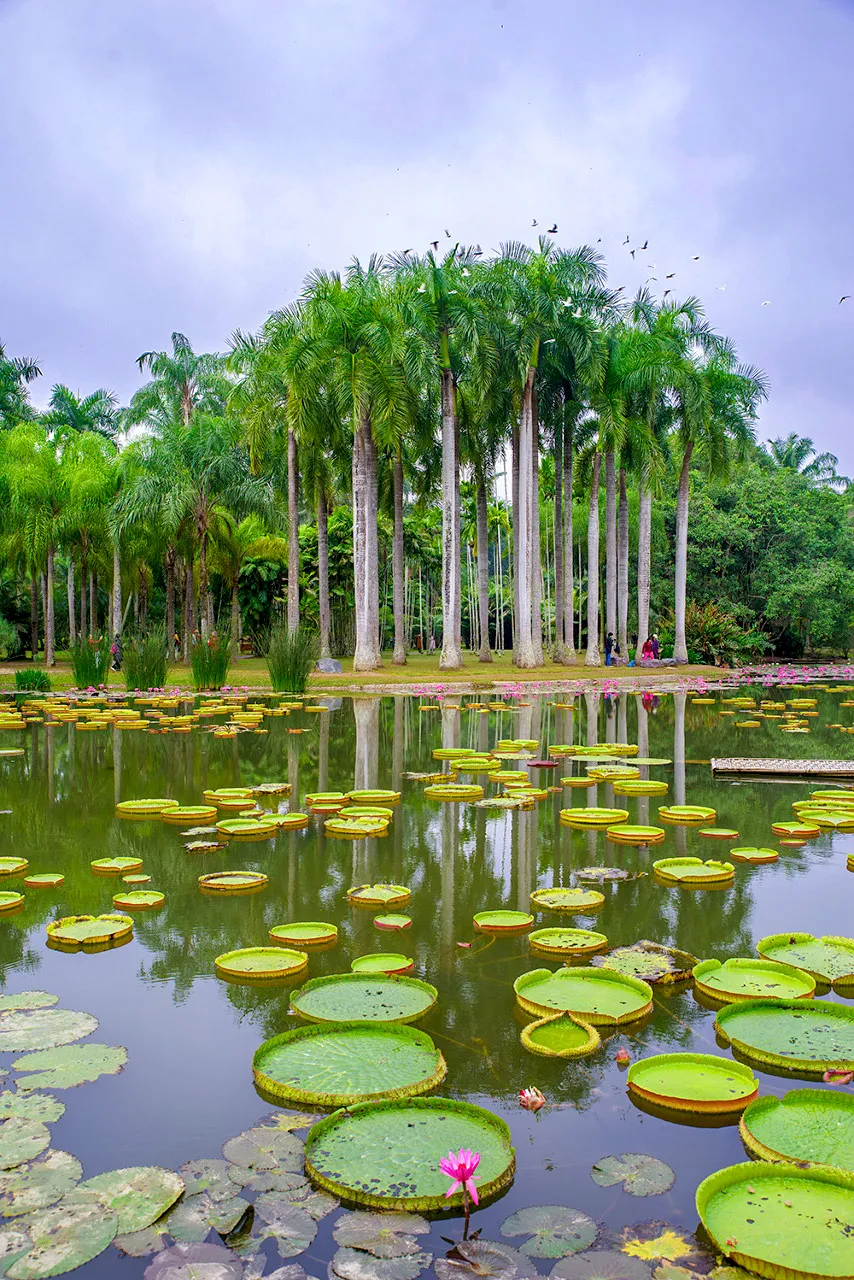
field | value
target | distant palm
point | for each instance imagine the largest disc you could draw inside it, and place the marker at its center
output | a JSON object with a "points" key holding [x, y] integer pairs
{"points": [[798, 453], [69, 413], [16, 372]]}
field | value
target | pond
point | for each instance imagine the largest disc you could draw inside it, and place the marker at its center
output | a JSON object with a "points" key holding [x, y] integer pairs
{"points": [[187, 1086]]}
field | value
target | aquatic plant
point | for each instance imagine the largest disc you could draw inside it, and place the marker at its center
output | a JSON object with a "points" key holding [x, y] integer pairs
{"points": [[531, 1099], [145, 659], [32, 679], [291, 658], [210, 660], [90, 661], [461, 1168]]}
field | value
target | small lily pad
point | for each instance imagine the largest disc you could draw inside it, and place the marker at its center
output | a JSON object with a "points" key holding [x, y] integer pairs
{"points": [[21, 1140], [139, 1244], [210, 1177], [192, 1261], [484, 1258], [265, 1148], [555, 1229], [601, 1264], [25, 1029], [66, 1235], [28, 1000], [138, 1195], [38, 1183], [290, 1226], [33, 1106], [69, 1065], [385, 1235], [640, 1175], [224, 1215], [351, 1264]]}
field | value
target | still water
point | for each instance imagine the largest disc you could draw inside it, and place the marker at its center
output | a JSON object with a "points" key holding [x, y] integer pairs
{"points": [[187, 1086]]}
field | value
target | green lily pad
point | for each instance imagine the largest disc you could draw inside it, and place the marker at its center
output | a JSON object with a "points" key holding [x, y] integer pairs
{"points": [[352, 1264], [604, 875], [138, 1195], [639, 1174], [567, 899], [503, 921], [28, 1000], [560, 1035], [225, 1215], [488, 1259], [14, 1243], [65, 1236], [195, 1261], [781, 1219], [382, 962], [90, 931], [384, 1154], [601, 1264], [44, 880], [304, 933], [210, 1177], [31, 1106], [38, 1183], [316, 1203], [807, 1125], [264, 1148], [115, 866], [379, 894], [597, 996], [9, 900], [756, 856], [69, 1065], [693, 871], [12, 866], [805, 1036], [649, 961], [392, 920], [290, 1226], [555, 1230], [748, 979], [189, 1220], [138, 1244], [385, 1235], [345, 997], [261, 962], [277, 1179], [827, 959], [334, 1064], [567, 942], [43, 1028], [139, 900], [289, 1120], [21, 1140], [693, 1082]]}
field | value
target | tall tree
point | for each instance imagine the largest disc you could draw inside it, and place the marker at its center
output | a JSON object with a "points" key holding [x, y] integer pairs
{"points": [[798, 453], [16, 374]]}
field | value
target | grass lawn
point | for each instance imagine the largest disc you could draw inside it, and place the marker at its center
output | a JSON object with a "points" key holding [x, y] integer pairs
{"points": [[420, 669]]}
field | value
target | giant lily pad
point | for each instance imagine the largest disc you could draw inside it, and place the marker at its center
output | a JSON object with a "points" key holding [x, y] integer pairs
{"points": [[31, 1106], [752, 980], [384, 1154], [261, 962], [807, 1037], [38, 1183], [10, 901], [44, 880], [66, 1235], [650, 961], [693, 1082], [138, 1195], [139, 900], [305, 933], [597, 996], [27, 1000], [502, 921], [69, 1065], [640, 1175], [814, 1126], [21, 1140], [352, 1264], [567, 942], [567, 899], [781, 1219], [344, 997], [385, 1235], [604, 875], [75, 932], [232, 882], [560, 1035], [13, 866], [828, 959], [42, 1028], [758, 857], [383, 962], [334, 1064], [555, 1230], [116, 866], [601, 1264], [693, 872], [378, 895], [185, 1261]]}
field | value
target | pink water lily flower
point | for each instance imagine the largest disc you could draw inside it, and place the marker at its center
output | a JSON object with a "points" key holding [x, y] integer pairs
{"points": [[838, 1077], [461, 1168], [531, 1099]]}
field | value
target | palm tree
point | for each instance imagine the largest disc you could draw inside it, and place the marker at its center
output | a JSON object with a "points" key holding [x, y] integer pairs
{"points": [[16, 373], [234, 542], [182, 382], [70, 414], [798, 453]]}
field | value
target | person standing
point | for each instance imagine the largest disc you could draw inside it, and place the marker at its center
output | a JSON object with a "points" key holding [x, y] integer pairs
{"points": [[655, 647], [609, 646]]}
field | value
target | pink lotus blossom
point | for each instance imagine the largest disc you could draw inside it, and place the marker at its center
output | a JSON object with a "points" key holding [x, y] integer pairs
{"points": [[461, 1169], [623, 1057], [531, 1099], [838, 1077]]}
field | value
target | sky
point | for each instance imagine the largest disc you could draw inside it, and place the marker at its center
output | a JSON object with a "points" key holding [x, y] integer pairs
{"points": [[183, 164]]}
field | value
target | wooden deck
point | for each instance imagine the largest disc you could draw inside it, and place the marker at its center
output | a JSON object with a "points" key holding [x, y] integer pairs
{"points": [[742, 766]]}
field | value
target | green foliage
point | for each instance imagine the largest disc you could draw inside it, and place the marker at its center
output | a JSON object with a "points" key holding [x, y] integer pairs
{"points": [[90, 661], [145, 659], [10, 641], [715, 636], [291, 657], [210, 659], [33, 679]]}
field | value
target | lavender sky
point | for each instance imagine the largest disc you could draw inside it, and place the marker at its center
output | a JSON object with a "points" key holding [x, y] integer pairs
{"points": [[182, 164]]}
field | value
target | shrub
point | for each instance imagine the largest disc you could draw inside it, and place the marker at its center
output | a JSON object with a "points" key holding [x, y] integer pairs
{"points": [[33, 679], [145, 660], [210, 659], [714, 635], [90, 661], [291, 657], [10, 641]]}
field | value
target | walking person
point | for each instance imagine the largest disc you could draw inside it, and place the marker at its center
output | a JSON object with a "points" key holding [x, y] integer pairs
{"points": [[655, 647]]}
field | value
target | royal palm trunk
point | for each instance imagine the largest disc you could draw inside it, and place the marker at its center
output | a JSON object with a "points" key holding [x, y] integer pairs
{"points": [[323, 575], [680, 646], [644, 553], [592, 658], [397, 566], [485, 652], [452, 649], [610, 543], [293, 533], [623, 567]]}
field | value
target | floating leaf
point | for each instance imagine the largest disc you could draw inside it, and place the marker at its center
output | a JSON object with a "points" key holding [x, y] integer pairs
{"points": [[138, 1244], [210, 1176], [806, 1035], [33, 1106], [41, 1028], [138, 1195], [28, 1000], [641, 1175], [21, 1140], [343, 997], [650, 961], [289, 1120], [38, 1183], [807, 1125], [601, 1264], [268, 1179], [652, 1241], [350, 1264], [194, 1262], [601, 875], [65, 1236], [189, 1220], [14, 1243], [385, 1235], [265, 1148], [70, 1065], [290, 1226], [485, 1258], [555, 1230], [225, 1215], [317, 1204]]}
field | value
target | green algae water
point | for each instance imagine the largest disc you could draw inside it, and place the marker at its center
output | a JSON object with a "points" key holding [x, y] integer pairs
{"points": [[187, 1086]]}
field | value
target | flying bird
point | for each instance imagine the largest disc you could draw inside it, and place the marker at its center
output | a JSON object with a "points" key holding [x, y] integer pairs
{"points": [[666, 291], [626, 241], [633, 252], [670, 277], [695, 257], [447, 233], [644, 246], [844, 298], [649, 279], [406, 251], [553, 230], [478, 251], [535, 223], [721, 288], [767, 303], [435, 244]]}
